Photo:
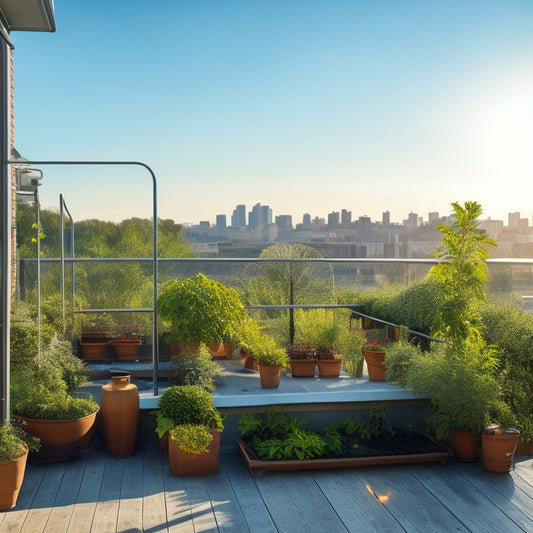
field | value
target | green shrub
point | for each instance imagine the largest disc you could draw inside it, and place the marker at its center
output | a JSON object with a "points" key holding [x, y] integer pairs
{"points": [[191, 438], [201, 370]]}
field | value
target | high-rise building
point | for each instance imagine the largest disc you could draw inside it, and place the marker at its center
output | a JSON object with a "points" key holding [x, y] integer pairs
{"points": [[334, 218], [221, 222], [284, 221], [514, 220], [266, 216], [412, 221], [385, 218], [346, 217], [238, 217], [433, 217], [307, 219]]}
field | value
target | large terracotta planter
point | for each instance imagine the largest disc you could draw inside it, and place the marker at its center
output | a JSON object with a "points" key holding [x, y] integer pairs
{"points": [[220, 350], [303, 368], [270, 375], [375, 364], [465, 446], [498, 446], [126, 350], [11, 477], [120, 415], [94, 351], [186, 464], [329, 368]]}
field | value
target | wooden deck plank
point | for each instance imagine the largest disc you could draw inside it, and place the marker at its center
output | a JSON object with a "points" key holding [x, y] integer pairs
{"points": [[523, 466], [202, 514], [255, 512], [154, 509], [44, 498], [13, 519], [228, 513], [455, 492], [60, 516], [505, 492], [296, 504], [131, 495], [106, 512], [179, 514], [83, 513], [347, 494], [409, 501]]}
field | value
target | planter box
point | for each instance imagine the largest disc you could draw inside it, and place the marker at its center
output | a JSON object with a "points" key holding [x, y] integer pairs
{"points": [[350, 462]]}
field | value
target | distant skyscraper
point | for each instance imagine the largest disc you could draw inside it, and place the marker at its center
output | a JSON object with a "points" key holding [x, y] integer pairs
{"points": [[284, 221], [266, 216], [221, 222], [333, 218], [238, 218], [346, 217], [513, 220], [307, 219], [254, 216], [385, 218], [433, 217], [412, 221]]}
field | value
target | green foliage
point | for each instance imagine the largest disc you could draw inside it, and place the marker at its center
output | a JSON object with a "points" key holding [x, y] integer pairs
{"points": [[189, 404], [267, 352], [188, 369], [463, 274], [353, 353], [191, 438], [73, 370], [511, 328], [97, 322], [14, 442], [398, 359], [24, 335], [298, 444], [462, 385], [200, 309]]}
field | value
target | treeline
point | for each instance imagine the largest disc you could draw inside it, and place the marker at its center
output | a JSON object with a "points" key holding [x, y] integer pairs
{"points": [[97, 238]]}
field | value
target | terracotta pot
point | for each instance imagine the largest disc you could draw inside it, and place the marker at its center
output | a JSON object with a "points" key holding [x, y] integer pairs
{"points": [[524, 448], [303, 368], [11, 475], [120, 415], [220, 350], [248, 361], [186, 464], [94, 350], [375, 364], [270, 375], [60, 432], [126, 350], [329, 368], [465, 446], [498, 446]]}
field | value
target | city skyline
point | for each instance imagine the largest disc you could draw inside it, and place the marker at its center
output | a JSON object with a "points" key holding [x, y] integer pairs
{"points": [[309, 105]]}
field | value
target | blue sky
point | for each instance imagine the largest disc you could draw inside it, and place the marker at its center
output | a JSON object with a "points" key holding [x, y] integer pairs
{"points": [[304, 105]]}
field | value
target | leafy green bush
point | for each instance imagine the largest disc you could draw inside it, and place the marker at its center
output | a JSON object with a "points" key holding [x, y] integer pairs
{"points": [[201, 370], [188, 404], [14, 442], [398, 359], [191, 438]]}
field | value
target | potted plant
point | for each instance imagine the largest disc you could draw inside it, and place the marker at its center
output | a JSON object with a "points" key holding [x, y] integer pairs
{"points": [[399, 357], [126, 342], [199, 309], [183, 410], [185, 404], [374, 354], [40, 393], [14, 446], [353, 353], [94, 340], [271, 359], [302, 359], [193, 450], [498, 446], [248, 335]]}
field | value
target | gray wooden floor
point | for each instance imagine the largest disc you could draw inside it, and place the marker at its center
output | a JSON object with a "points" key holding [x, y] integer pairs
{"points": [[98, 494]]}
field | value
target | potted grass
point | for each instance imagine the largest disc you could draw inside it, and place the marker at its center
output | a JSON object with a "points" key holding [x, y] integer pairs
{"points": [[14, 447], [189, 407], [271, 359], [199, 309]]}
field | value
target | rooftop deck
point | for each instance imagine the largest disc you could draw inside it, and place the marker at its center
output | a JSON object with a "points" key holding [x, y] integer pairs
{"points": [[98, 494]]}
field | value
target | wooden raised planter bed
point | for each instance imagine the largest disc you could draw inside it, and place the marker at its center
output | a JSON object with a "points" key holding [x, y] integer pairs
{"points": [[351, 462]]}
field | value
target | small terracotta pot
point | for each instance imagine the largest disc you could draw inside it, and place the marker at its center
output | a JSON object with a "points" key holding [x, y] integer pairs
{"points": [[126, 350], [270, 375], [12, 475], [220, 350], [94, 350], [185, 464], [329, 368], [498, 446], [465, 446], [375, 364], [303, 368], [248, 361]]}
